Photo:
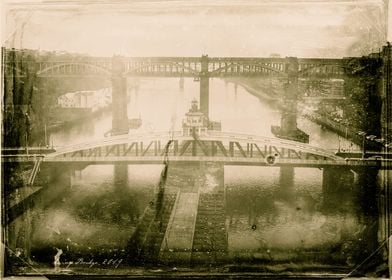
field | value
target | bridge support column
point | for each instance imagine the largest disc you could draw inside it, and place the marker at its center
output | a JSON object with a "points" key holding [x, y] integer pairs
{"points": [[204, 96], [120, 176], [201, 199], [286, 182], [336, 183], [370, 218], [288, 129], [204, 87], [119, 98], [182, 83]]}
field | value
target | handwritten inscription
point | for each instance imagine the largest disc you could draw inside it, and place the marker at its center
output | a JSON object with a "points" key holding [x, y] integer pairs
{"points": [[91, 263]]}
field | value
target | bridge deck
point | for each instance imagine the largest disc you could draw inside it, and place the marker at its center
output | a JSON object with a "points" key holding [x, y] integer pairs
{"points": [[351, 162], [226, 148], [179, 235], [182, 66]]}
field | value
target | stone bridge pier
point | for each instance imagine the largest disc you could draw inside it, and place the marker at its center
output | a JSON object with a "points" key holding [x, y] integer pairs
{"points": [[193, 222], [120, 176], [288, 126], [119, 97], [370, 201], [181, 83], [204, 87], [286, 182], [337, 182]]}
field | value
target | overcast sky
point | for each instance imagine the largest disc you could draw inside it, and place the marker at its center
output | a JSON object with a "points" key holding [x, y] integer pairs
{"points": [[191, 28]]}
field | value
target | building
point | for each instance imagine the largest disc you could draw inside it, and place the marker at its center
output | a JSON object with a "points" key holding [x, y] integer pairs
{"points": [[94, 100], [195, 121]]}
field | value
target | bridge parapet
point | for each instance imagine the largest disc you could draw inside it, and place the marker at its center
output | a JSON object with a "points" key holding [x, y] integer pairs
{"points": [[214, 144], [68, 65], [237, 160]]}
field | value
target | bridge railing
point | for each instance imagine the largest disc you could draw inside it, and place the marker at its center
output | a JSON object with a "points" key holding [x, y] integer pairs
{"points": [[161, 159], [276, 141], [211, 136], [119, 139], [349, 163], [26, 150], [22, 158]]}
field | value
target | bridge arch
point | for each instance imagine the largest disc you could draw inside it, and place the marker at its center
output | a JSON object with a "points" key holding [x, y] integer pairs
{"points": [[182, 69], [263, 67], [216, 146], [322, 69], [72, 68]]}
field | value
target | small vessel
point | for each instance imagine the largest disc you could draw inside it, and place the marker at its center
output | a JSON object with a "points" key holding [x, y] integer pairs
{"points": [[296, 135], [135, 123], [216, 126]]}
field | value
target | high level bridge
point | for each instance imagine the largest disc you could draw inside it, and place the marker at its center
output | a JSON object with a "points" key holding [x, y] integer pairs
{"points": [[213, 67], [118, 68], [163, 148]]}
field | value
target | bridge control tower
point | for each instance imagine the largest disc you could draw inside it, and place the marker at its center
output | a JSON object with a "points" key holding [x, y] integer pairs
{"points": [[195, 121]]}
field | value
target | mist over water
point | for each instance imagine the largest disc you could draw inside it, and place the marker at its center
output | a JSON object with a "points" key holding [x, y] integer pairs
{"points": [[272, 214], [183, 28]]}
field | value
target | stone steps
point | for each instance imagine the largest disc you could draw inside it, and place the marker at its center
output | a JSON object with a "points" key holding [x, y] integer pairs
{"points": [[156, 233], [146, 241], [210, 236], [178, 240]]}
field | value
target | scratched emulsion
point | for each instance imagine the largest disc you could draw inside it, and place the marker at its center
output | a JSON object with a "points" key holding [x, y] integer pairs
{"points": [[251, 216], [65, 215]]}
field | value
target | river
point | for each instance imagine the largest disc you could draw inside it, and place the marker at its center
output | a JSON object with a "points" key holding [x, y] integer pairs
{"points": [[264, 219]]}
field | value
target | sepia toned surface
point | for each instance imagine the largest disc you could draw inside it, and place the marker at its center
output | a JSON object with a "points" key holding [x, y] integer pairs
{"points": [[185, 139]]}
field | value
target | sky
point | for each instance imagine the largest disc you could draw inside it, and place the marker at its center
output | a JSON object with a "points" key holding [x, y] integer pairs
{"points": [[306, 28]]}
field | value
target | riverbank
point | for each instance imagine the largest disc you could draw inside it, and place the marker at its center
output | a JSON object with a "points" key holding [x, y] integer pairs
{"points": [[342, 130], [258, 92], [65, 117], [350, 133]]}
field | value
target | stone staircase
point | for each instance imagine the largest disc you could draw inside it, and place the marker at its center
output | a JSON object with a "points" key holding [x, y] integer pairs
{"points": [[210, 236], [178, 240], [154, 237], [146, 241]]}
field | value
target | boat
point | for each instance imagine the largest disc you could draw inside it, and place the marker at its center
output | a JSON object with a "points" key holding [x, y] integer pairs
{"points": [[297, 135], [134, 123]]}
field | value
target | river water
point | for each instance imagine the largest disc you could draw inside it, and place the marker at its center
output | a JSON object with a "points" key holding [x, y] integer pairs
{"points": [[265, 220]]}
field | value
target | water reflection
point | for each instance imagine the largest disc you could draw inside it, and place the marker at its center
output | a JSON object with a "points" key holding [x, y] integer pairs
{"points": [[162, 106], [96, 216], [264, 215], [285, 221]]}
